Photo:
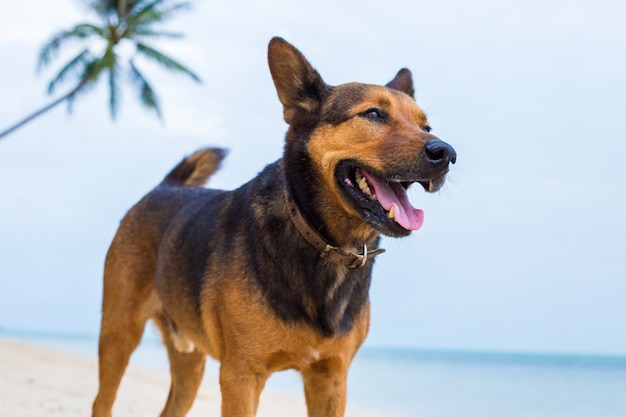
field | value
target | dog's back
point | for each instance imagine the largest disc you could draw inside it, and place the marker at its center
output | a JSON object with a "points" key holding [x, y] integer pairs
{"points": [[144, 225]]}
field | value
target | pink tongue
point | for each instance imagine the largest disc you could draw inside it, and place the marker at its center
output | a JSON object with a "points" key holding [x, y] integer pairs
{"points": [[394, 194]]}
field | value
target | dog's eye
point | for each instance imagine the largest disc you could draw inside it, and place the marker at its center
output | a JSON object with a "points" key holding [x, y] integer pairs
{"points": [[374, 114], [426, 129]]}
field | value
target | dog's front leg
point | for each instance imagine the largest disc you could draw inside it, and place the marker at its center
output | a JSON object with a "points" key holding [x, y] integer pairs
{"points": [[241, 388], [325, 388]]}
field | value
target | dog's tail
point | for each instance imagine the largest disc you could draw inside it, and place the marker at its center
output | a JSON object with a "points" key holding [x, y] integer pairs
{"points": [[195, 170]]}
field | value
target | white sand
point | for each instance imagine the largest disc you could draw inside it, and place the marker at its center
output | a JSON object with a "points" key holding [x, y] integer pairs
{"points": [[37, 381]]}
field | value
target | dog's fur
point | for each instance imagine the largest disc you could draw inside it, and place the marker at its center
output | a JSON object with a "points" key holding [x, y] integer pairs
{"points": [[228, 274]]}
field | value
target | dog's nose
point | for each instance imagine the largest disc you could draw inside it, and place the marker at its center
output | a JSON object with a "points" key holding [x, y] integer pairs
{"points": [[438, 152]]}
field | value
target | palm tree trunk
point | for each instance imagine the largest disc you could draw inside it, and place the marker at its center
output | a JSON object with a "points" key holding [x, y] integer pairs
{"points": [[41, 111]]}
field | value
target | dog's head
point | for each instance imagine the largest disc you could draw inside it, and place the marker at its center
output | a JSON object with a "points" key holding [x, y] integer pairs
{"points": [[357, 147]]}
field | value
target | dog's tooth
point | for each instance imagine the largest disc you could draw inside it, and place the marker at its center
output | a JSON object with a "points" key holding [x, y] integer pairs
{"points": [[363, 184], [391, 214], [431, 186], [374, 197]]}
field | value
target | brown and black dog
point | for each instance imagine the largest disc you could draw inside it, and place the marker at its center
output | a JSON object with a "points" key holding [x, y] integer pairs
{"points": [[275, 274]]}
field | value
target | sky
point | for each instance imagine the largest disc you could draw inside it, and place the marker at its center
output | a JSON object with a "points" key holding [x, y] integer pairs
{"points": [[523, 250]]}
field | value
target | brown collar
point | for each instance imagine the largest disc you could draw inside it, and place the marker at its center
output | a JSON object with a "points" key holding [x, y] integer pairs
{"points": [[332, 253]]}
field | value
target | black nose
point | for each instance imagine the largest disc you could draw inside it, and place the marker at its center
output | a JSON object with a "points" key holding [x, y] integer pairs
{"points": [[439, 152]]}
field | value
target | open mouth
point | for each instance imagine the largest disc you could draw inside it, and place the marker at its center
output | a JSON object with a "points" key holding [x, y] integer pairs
{"points": [[383, 202]]}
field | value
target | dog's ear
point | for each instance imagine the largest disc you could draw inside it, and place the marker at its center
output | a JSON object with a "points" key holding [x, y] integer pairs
{"points": [[300, 88], [403, 81]]}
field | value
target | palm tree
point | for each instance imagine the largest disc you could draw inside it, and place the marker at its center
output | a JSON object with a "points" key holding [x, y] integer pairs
{"points": [[129, 22]]}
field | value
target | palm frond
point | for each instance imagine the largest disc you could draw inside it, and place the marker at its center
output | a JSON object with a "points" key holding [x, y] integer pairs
{"points": [[108, 60], [103, 8], [113, 91], [51, 48], [86, 83], [151, 12], [84, 30], [73, 66], [144, 13], [141, 32], [108, 9], [155, 11], [91, 73], [142, 6], [165, 61], [147, 95]]}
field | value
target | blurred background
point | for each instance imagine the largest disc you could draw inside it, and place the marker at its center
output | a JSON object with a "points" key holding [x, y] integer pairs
{"points": [[522, 251]]}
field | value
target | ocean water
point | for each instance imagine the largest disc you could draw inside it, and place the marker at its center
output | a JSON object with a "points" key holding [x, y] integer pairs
{"points": [[462, 384], [420, 383]]}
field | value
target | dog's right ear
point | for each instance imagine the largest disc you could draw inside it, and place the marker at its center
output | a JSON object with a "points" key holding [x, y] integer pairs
{"points": [[300, 88]]}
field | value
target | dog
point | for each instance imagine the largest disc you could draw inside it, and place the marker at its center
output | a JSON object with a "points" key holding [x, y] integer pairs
{"points": [[274, 275]]}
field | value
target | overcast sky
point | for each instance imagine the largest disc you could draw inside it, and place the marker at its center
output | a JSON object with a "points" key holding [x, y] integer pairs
{"points": [[525, 247]]}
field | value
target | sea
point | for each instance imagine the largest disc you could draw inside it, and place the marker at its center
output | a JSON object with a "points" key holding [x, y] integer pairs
{"points": [[432, 383]]}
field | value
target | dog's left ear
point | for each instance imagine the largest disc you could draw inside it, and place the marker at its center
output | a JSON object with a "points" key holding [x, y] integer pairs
{"points": [[300, 88], [403, 82]]}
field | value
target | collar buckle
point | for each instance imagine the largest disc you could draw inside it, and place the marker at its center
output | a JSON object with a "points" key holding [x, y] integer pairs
{"points": [[327, 251]]}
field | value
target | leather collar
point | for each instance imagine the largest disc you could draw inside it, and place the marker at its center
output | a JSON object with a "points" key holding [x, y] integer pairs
{"points": [[327, 251]]}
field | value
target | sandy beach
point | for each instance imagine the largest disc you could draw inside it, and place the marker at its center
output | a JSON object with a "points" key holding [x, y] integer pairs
{"points": [[37, 381]]}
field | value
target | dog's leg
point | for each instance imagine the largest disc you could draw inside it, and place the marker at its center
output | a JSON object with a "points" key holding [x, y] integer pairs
{"points": [[186, 369], [325, 388], [117, 342], [241, 388], [128, 299]]}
